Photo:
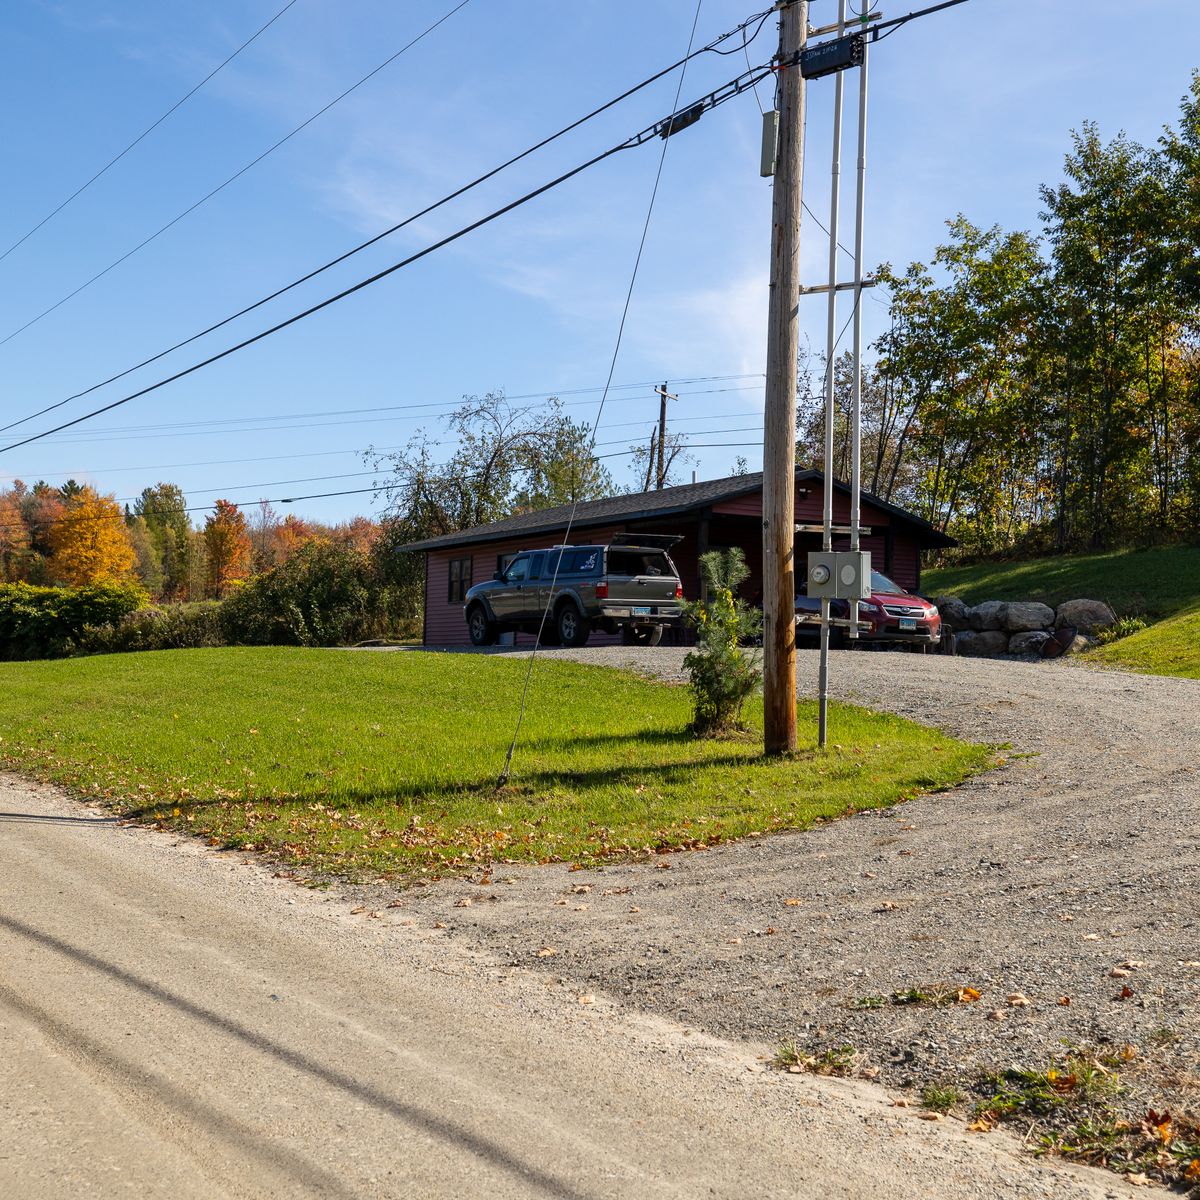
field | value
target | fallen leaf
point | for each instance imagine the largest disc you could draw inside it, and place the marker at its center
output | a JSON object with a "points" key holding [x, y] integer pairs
{"points": [[587, 999], [1064, 917], [792, 902], [997, 1014], [560, 901], [733, 941], [362, 908], [621, 891], [546, 952], [439, 924], [581, 908], [1131, 964], [1064, 1001], [1138, 1179], [967, 995], [634, 908], [931, 1116], [395, 904], [1118, 973], [1018, 1000], [869, 1072], [1091, 937], [1125, 993], [581, 889], [663, 866], [795, 1069], [463, 902]]}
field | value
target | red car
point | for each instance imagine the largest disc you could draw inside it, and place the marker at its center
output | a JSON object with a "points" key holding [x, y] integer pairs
{"points": [[893, 615]]}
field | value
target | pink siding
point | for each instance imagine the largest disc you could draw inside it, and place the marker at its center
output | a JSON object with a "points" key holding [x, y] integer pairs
{"points": [[446, 623]]}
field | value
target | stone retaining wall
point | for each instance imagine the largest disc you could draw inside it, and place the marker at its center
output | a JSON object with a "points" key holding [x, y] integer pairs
{"points": [[1020, 626]]}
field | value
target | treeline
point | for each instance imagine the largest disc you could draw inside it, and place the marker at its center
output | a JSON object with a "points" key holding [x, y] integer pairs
{"points": [[75, 536], [1040, 393]]}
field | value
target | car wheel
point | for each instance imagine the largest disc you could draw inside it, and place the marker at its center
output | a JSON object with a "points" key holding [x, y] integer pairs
{"points": [[480, 627], [573, 627], [641, 635]]}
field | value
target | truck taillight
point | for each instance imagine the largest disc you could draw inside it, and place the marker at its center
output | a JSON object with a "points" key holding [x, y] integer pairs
{"points": [[678, 591], [602, 591]]}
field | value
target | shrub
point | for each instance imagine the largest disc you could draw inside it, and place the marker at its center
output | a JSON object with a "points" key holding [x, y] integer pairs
{"points": [[45, 622], [723, 674], [326, 594], [1121, 628], [171, 627]]}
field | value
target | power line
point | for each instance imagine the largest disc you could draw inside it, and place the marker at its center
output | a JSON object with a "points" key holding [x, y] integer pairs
{"points": [[502, 779], [112, 162], [708, 102], [236, 175], [711, 47], [245, 425]]}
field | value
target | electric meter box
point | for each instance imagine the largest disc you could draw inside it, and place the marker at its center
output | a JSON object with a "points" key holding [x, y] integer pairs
{"points": [[839, 574]]}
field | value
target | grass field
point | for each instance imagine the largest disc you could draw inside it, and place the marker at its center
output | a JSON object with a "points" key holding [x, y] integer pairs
{"points": [[1162, 586], [1168, 647], [385, 764], [1146, 583]]}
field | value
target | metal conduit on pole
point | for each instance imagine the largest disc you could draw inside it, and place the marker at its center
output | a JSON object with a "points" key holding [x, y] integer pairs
{"points": [[856, 401], [835, 197]]}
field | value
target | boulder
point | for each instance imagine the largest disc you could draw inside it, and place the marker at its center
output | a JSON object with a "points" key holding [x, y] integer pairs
{"points": [[982, 643], [988, 616], [1026, 616], [1079, 643], [953, 611], [1029, 642], [1085, 615]]}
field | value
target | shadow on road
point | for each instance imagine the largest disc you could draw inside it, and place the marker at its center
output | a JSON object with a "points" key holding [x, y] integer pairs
{"points": [[429, 1123]]}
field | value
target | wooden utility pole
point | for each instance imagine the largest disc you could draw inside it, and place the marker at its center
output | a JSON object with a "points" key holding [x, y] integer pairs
{"points": [[779, 423], [663, 464]]}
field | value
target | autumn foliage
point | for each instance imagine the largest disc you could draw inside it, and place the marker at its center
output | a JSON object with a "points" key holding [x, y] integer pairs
{"points": [[227, 541], [88, 542]]}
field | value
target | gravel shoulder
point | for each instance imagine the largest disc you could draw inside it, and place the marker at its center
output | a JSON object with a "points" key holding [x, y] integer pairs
{"points": [[1077, 858]]}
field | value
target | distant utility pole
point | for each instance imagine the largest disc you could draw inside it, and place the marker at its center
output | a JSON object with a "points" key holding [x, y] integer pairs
{"points": [[663, 397], [779, 422]]}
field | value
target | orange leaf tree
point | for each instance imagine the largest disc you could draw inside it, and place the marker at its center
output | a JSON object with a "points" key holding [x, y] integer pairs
{"points": [[227, 541], [88, 541]]}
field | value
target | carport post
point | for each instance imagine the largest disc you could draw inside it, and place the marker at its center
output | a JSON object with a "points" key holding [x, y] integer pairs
{"points": [[779, 421]]}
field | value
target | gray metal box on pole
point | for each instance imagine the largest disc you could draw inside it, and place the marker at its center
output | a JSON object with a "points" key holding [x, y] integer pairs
{"points": [[839, 574]]}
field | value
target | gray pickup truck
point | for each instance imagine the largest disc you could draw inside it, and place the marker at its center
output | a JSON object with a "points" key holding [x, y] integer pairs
{"points": [[634, 589]]}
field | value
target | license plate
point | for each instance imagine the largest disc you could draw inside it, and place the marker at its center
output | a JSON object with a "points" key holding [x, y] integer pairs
{"points": [[907, 623], [642, 612]]}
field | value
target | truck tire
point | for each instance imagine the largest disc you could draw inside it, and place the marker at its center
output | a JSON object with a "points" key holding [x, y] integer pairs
{"points": [[573, 627], [481, 627]]}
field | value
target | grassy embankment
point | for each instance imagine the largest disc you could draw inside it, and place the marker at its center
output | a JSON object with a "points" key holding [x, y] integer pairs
{"points": [[385, 764], [1162, 586]]}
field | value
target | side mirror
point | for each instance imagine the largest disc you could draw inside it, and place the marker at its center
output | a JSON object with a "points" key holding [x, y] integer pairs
{"points": [[498, 576]]}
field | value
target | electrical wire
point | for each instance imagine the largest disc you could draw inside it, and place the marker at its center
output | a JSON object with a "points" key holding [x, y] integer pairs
{"points": [[505, 771], [712, 100], [112, 162], [341, 258], [235, 176]]}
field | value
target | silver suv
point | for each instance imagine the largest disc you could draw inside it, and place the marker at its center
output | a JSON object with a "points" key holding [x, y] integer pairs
{"points": [[630, 587]]}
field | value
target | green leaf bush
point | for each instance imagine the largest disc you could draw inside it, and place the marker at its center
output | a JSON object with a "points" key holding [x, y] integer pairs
{"points": [[48, 622], [723, 673], [167, 627], [326, 594]]}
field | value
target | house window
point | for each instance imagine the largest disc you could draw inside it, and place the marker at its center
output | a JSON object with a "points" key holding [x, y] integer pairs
{"points": [[460, 579]]}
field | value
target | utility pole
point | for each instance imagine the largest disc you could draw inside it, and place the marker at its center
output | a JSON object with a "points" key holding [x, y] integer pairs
{"points": [[663, 397], [779, 422]]}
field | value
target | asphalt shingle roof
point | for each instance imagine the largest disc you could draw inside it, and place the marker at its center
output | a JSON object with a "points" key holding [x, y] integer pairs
{"points": [[639, 505]]}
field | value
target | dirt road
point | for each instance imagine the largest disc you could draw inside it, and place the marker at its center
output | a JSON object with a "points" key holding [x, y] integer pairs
{"points": [[175, 1023]]}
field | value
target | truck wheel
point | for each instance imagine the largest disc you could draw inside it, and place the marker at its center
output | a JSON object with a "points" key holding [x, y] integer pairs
{"points": [[573, 627], [482, 630], [641, 635]]}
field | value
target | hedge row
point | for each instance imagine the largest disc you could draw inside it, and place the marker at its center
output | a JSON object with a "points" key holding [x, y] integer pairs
{"points": [[325, 595]]}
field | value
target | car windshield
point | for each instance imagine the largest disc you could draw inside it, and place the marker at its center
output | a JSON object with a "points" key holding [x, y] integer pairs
{"points": [[881, 583]]}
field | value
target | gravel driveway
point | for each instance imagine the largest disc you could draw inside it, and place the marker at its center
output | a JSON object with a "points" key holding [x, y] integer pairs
{"points": [[1040, 878]]}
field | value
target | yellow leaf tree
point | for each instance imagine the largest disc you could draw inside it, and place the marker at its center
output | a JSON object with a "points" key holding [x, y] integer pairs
{"points": [[227, 541], [88, 541]]}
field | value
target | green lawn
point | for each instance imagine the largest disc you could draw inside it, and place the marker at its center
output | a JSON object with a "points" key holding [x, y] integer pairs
{"points": [[1149, 583], [384, 764], [1162, 586], [1168, 647]]}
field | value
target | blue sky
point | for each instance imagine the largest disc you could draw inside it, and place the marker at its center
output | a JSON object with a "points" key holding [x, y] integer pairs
{"points": [[970, 110]]}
